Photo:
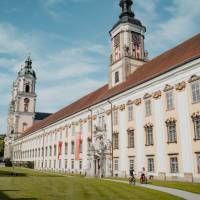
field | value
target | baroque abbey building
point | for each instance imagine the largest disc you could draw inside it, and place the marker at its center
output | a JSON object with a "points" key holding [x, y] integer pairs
{"points": [[147, 116]]}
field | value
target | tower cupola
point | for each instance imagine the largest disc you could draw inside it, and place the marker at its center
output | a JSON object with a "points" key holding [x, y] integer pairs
{"points": [[127, 37]]}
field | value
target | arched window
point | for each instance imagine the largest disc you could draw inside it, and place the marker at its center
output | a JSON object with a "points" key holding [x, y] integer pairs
{"points": [[26, 104], [27, 88]]}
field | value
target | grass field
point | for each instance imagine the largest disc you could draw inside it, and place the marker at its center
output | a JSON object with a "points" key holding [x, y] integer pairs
{"points": [[190, 187], [25, 184]]}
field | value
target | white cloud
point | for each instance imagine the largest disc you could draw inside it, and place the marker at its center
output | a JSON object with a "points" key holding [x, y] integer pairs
{"points": [[181, 23], [56, 71]]}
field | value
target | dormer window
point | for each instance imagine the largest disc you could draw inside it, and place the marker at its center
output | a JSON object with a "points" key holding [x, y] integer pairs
{"points": [[116, 77]]}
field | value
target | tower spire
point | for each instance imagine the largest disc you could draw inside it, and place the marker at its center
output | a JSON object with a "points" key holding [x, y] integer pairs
{"points": [[126, 8]]}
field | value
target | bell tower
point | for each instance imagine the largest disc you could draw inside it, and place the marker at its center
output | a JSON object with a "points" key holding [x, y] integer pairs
{"points": [[22, 106], [127, 38]]}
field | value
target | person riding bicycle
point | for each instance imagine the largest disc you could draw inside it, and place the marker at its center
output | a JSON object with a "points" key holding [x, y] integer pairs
{"points": [[132, 176], [143, 178]]}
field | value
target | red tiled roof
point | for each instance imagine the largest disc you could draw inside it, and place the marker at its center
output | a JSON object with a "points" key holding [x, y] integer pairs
{"points": [[181, 54]]}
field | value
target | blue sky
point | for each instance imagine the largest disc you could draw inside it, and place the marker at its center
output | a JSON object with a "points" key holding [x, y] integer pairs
{"points": [[70, 44]]}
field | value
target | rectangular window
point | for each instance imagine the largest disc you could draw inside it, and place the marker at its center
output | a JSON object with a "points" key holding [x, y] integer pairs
{"points": [[116, 77], [66, 132], [150, 164], [148, 107], [81, 146], [45, 163], [72, 164], [195, 91], [54, 164], [65, 163], [169, 100], [130, 113], [171, 132], [73, 129], [49, 163], [131, 139], [198, 163], [89, 125], [66, 148], [42, 151], [116, 141], [50, 150], [115, 117], [131, 164], [81, 128], [149, 136], [196, 121], [80, 164], [54, 150], [72, 147], [60, 164], [116, 164], [174, 165]]}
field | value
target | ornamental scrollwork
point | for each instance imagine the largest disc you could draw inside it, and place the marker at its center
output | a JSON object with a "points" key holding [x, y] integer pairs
{"points": [[138, 101], [122, 107], [180, 86], [157, 95], [115, 108], [108, 112], [148, 125], [168, 88], [195, 115], [170, 120], [130, 129], [130, 102], [193, 78]]}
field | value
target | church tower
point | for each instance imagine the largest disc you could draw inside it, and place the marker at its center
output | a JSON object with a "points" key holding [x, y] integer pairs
{"points": [[22, 106], [127, 37]]}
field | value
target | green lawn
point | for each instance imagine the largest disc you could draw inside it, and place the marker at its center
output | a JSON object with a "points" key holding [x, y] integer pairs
{"points": [[25, 184], [190, 187]]}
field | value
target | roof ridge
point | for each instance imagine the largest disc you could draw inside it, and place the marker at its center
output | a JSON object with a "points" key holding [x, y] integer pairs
{"points": [[172, 58]]}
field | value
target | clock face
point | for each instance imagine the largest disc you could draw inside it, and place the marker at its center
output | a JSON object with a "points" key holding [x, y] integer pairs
{"points": [[136, 38]]}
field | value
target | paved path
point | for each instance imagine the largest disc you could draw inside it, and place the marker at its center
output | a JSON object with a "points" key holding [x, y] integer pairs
{"points": [[175, 192]]}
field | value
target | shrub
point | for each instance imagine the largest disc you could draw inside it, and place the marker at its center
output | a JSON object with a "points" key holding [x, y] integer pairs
{"points": [[8, 162], [30, 164]]}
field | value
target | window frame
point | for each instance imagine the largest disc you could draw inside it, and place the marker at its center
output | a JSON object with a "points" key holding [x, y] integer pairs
{"points": [[148, 107], [169, 95], [131, 139], [171, 132], [150, 165], [115, 140], [149, 134], [195, 91], [130, 113], [174, 165]]}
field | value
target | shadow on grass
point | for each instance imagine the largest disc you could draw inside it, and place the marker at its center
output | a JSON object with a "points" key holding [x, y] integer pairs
{"points": [[9, 173], [6, 197]]}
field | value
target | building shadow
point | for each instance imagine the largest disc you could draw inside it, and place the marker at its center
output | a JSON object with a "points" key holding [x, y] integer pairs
{"points": [[13, 174], [3, 196]]}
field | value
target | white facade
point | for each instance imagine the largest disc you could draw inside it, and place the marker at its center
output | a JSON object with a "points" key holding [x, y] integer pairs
{"points": [[159, 134]]}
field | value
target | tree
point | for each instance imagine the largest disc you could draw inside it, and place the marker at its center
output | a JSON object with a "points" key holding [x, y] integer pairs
{"points": [[2, 146]]}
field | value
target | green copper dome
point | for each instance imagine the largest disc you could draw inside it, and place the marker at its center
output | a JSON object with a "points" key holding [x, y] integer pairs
{"points": [[27, 69]]}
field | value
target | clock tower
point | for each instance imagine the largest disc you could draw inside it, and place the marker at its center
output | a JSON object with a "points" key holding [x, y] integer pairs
{"points": [[127, 38]]}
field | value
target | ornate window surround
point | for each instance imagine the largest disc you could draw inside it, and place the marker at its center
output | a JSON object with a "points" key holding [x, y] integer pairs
{"points": [[171, 122], [195, 116]]}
